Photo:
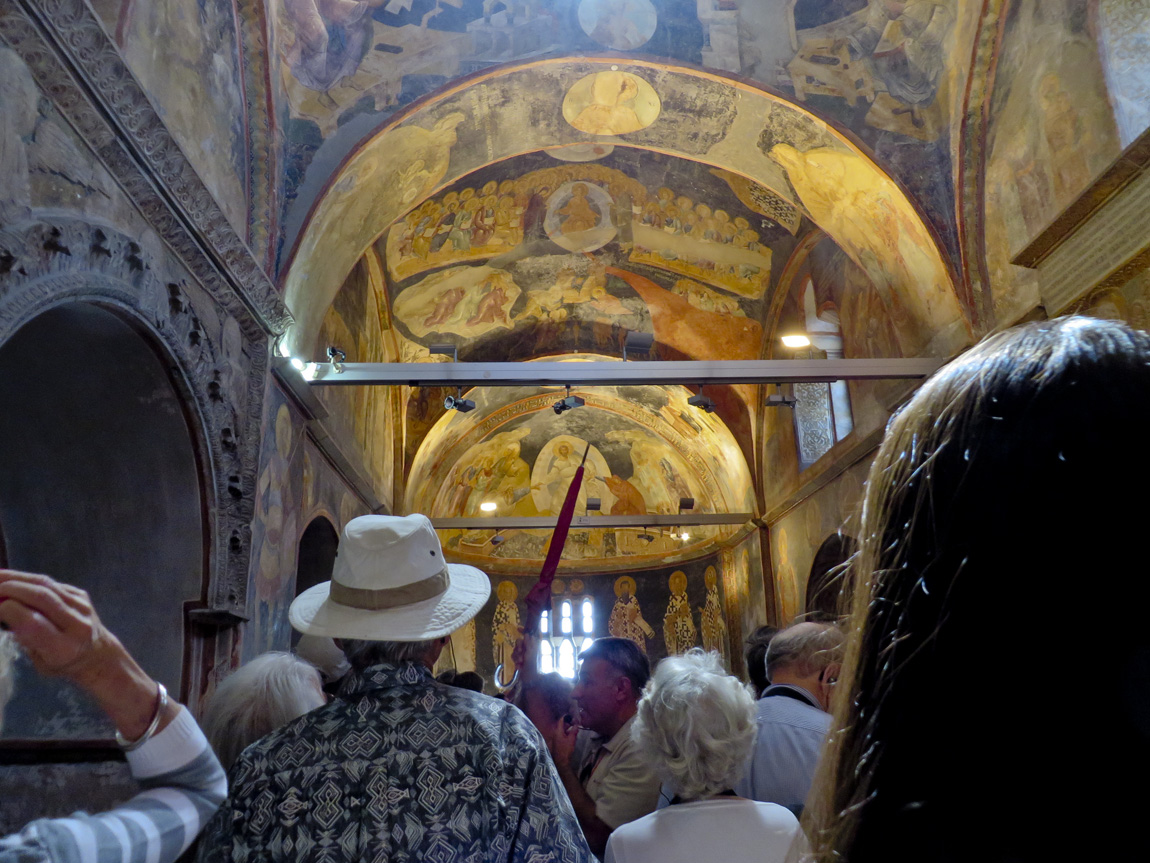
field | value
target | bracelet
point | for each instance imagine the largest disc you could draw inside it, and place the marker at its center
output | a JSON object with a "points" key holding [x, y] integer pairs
{"points": [[161, 703]]}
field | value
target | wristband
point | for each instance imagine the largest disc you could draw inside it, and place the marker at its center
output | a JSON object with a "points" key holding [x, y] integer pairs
{"points": [[161, 703]]}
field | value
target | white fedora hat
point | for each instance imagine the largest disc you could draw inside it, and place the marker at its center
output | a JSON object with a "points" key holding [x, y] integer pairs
{"points": [[391, 583]]}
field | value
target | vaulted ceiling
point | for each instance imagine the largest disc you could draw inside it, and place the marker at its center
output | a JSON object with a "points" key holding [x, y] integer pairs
{"points": [[482, 174]]}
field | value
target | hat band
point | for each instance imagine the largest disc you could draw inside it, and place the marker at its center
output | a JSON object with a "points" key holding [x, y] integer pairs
{"points": [[390, 597]]}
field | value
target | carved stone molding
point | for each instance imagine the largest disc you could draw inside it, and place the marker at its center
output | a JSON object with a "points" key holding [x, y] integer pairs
{"points": [[971, 180], [51, 262], [79, 69]]}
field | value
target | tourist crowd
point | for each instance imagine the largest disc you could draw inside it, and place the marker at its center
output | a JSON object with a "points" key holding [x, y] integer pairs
{"points": [[933, 723]]}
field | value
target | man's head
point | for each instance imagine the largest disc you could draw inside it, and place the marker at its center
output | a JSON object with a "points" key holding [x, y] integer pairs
{"points": [[757, 656], [611, 678], [808, 655], [362, 654]]}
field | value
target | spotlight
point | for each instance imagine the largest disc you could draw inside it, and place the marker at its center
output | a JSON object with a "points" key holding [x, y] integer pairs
{"points": [[646, 537], [594, 504], [497, 539], [565, 404], [337, 358], [686, 503], [458, 403], [702, 402], [796, 341], [684, 536]]}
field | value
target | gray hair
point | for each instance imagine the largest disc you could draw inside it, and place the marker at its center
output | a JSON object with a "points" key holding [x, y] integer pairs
{"points": [[696, 725], [807, 648], [364, 654], [8, 653], [258, 698], [624, 656]]}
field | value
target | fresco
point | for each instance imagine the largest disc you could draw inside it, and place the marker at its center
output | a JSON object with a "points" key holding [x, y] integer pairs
{"points": [[797, 537], [626, 606], [504, 632], [647, 449], [1124, 33], [573, 257], [1051, 133], [295, 483], [712, 626], [195, 82], [611, 103], [361, 418], [778, 147], [1129, 302], [622, 25], [626, 620], [679, 631]]}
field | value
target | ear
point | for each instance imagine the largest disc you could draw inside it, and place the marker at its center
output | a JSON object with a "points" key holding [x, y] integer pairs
{"points": [[831, 673]]}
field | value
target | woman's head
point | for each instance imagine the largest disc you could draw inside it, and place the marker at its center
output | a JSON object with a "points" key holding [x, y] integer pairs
{"points": [[258, 698], [695, 725], [1007, 498]]}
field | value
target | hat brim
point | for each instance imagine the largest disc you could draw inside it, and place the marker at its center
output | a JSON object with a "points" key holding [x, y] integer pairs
{"points": [[314, 613]]}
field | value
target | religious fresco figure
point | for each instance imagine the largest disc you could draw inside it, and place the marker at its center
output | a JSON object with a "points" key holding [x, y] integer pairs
{"points": [[626, 620], [505, 631], [711, 622], [331, 38], [679, 631], [611, 103]]}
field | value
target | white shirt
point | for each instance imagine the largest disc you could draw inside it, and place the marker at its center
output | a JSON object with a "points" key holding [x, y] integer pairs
{"points": [[790, 739], [721, 828]]}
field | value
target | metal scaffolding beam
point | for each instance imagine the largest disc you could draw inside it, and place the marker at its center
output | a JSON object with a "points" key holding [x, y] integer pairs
{"points": [[619, 373], [547, 522]]}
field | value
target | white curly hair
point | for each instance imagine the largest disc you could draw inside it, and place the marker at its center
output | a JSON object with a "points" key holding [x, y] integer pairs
{"points": [[696, 725]]}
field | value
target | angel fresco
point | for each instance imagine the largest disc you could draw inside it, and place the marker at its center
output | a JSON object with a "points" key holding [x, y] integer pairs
{"points": [[331, 38], [679, 631], [626, 620]]}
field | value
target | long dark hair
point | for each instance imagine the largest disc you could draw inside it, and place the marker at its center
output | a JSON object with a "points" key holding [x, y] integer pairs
{"points": [[997, 672]]}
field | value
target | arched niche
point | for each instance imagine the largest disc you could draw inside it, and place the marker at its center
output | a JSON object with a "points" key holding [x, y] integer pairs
{"points": [[316, 559], [100, 487], [317, 549], [827, 577]]}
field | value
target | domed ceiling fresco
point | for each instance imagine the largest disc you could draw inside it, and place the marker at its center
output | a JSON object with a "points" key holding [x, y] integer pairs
{"points": [[647, 449], [550, 206]]}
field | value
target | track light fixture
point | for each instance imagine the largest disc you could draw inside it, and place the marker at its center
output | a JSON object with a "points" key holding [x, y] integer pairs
{"points": [[701, 402], [458, 403], [780, 399], [565, 404], [337, 358]]}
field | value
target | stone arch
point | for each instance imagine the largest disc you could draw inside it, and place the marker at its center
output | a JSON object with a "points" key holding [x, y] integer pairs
{"points": [[754, 133], [100, 486], [217, 366]]}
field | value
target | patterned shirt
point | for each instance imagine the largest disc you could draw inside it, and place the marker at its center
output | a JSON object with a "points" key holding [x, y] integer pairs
{"points": [[398, 768], [184, 784]]}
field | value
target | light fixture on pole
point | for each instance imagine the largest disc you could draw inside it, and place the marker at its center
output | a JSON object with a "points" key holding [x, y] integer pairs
{"points": [[445, 350], [594, 504], [458, 402], [780, 399], [796, 340], [638, 343], [337, 358], [702, 402], [565, 404]]}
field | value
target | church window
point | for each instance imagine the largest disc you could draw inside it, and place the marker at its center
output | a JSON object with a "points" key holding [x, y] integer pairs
{"points": [[560, 644]]}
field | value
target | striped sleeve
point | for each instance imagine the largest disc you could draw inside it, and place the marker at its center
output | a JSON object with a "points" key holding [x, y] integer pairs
{"points": [[183, 785]]}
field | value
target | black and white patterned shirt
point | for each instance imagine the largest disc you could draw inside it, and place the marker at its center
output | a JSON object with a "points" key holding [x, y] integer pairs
{"points": [[398, 768]]}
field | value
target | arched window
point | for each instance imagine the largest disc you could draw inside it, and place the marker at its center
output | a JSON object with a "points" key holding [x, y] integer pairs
{"points": [[822, 410], [572, 633]]}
